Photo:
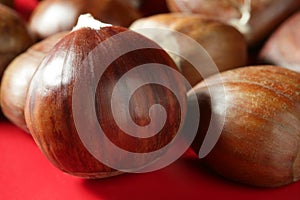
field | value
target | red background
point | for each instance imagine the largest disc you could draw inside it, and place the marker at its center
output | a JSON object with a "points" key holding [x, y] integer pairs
{"points": [[26, 174]]}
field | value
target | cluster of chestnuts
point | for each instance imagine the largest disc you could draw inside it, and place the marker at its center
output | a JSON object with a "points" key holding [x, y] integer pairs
{"points": [[52, 69]]}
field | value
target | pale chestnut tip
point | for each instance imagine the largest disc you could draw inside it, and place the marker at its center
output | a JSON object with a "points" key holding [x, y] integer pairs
{"points": [[88, 21]]}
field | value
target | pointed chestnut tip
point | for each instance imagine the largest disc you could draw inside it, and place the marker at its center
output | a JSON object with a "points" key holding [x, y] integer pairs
{"points": [[88, 21]]}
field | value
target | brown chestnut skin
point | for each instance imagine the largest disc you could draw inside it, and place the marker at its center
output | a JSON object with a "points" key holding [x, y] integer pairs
{"points": [[260, 140], [17, 76], [52, 16], [149, 7], [226, 45], [283, 47], [265, 15], [48, 110], [14, 36]]}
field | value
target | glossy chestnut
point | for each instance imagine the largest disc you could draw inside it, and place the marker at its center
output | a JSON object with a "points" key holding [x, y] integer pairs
{"points": [[17, 76], [76, 81], [224, 44], [259, 142]]}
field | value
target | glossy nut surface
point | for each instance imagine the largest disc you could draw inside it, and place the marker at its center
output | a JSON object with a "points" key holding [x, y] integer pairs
{"points": [[259, 144], [50, 114], [224, 44], [17, 77]]}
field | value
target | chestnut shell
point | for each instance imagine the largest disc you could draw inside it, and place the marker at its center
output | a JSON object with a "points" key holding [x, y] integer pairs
{"points": [[259, 144], [225, 45], [49, 114], [149, 7], [283, 47], [265, 15], [53, 16], [14, 36], [17, 76]]}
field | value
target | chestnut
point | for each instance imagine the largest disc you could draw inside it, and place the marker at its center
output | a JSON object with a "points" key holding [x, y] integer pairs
{"points": [[260, 140], [256, 19], [17, 76], [224, 44], [149, 7], [14, 36], [52, 16], [81, 87], [283, 47]]}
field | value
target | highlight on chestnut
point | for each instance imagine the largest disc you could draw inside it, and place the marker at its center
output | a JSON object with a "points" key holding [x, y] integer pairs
{"points": [[107, 100]]}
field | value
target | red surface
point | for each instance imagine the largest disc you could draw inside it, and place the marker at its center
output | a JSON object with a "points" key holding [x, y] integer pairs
{"points": [[26, 174]]}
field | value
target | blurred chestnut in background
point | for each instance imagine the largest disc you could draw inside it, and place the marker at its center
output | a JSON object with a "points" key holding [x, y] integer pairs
{"points": [[149, 7], [52, 16], [226, 45], [260, 141], [283, 47], [14, 36], [256, 19], [17, 77]]}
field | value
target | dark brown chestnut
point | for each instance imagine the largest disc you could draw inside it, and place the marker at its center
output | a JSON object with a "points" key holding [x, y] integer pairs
{"points": [[14, 36], [17, 76], [71, 97], [149, 7], [260, 141]]}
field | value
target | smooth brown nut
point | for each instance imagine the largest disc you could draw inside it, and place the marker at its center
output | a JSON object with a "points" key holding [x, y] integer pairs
{"points": [[224, 44], [52, 16], [256, 19], [260, 140], [52, 100], [283, 47], [14, 36], [17, 76]]}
